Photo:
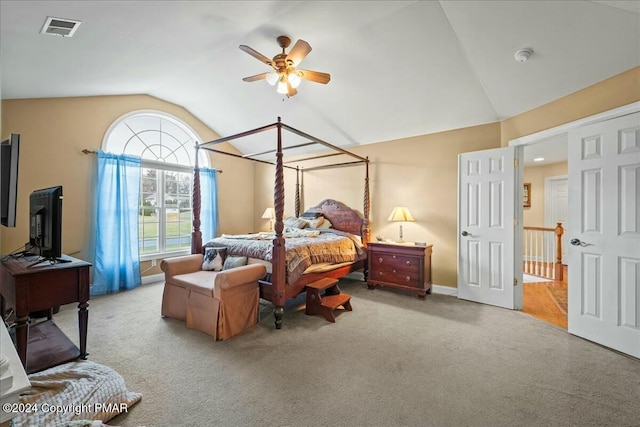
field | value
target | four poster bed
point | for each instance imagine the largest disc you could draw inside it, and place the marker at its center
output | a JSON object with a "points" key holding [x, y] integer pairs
{"points": [[297, 257]]}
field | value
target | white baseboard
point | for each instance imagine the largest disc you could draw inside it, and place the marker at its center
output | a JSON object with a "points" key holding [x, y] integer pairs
{"points": [[436, 289], [152, 278], [444, 290]]}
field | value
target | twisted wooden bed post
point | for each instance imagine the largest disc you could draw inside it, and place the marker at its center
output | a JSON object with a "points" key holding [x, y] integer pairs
{"points": [[297, 191], [278, 272], [366, 230], [196, 234]]}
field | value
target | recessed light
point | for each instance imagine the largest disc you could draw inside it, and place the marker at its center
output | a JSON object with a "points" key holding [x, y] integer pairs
{"points": [[538, 159]]}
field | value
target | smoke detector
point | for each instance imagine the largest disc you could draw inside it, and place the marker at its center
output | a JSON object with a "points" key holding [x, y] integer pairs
{"points": [[60, 27], [523, 55]]}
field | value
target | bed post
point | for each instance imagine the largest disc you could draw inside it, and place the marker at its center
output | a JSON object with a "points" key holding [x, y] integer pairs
{"points": [[366, 231], [297, 191], [196, 235], [278, 272]]}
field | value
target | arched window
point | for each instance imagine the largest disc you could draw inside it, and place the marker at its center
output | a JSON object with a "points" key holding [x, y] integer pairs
{"points": [[166, 148]]}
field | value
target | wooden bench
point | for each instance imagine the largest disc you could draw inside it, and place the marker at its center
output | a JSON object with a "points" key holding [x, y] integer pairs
{"points": [[325, 304]]}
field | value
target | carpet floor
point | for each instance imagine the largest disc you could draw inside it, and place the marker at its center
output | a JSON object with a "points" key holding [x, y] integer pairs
{"points": [[394, 360]]}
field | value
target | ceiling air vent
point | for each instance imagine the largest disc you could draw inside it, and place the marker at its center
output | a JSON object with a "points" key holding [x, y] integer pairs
{"points": [[60, 27]]}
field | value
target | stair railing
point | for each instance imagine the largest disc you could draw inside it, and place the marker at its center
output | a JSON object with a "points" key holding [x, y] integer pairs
{"points": [[542, 251]]}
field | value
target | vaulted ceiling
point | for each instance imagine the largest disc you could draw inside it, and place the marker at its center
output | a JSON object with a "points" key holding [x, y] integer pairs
{"points": [[398, 68]]}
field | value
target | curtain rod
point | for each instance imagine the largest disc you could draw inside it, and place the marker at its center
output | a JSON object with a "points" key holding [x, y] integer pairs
{"points": [[87, 151]]}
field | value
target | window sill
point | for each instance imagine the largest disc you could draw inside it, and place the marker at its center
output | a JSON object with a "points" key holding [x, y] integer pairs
{"points": [[163, 255]]}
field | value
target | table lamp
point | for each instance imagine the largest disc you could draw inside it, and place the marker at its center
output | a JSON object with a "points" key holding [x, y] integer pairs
{"points": [[269, 214], [400, 214]]}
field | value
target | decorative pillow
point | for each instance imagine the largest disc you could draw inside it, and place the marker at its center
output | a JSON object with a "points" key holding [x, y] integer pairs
{"points": [[325, 224], [214, 259], [313, 222], [234, 261], [295, 222]]}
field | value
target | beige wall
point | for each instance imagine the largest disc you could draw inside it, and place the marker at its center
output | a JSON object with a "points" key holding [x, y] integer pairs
{"points": [[611, 93], [54, 131], [535, 175]]}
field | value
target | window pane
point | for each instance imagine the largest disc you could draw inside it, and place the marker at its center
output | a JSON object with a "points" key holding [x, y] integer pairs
{"points": [[148, 230]]}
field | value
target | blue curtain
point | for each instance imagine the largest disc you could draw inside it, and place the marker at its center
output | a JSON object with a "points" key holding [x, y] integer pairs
{"points": [[209, 204], [116, 266]]}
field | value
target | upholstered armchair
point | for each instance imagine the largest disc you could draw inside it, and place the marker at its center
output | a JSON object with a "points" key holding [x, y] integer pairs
{"points": [[219, 303]]}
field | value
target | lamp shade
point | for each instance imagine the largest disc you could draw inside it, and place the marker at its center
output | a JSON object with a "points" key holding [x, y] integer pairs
{"points": [[269, 213], [400, 213]]}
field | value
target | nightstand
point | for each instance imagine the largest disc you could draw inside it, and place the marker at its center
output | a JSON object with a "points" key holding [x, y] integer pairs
{"points": [[400, 265]]}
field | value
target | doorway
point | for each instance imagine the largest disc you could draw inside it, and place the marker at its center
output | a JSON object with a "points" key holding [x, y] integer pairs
{"points": [[545, 178]]}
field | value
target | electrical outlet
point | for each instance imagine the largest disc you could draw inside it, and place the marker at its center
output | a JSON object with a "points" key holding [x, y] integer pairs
{"points": [[153, 262]]}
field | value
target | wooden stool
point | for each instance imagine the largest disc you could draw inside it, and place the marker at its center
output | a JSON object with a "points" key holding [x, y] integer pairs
{"points": [[327, 303]]}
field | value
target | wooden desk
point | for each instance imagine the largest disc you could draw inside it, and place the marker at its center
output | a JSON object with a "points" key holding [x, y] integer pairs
{"points": [[30, 288]]}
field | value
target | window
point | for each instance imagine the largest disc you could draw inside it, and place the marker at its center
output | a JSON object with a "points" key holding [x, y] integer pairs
{"points": [[166, 147]]}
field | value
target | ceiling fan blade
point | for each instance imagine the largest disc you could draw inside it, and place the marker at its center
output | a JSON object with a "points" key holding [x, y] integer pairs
{"points": [[256, 77], [298, 52], [314, 76], [290, 90], [260, 57]]}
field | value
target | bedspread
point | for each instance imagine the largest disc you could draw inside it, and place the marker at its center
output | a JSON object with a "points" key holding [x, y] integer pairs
{"points": [[328, 245]]}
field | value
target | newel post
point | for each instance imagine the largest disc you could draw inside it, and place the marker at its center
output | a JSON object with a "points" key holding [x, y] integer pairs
{"points": [[559, 230]]}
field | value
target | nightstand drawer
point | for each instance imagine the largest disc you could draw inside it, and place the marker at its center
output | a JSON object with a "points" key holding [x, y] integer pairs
{"points": [[397, 262], [400, 278]]}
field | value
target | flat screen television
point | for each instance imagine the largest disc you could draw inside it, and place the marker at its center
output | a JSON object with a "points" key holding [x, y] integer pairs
{"points": [[9, 157], [45, 223]]}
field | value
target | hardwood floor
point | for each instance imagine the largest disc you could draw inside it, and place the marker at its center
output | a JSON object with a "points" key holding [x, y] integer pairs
{"points": [[547, 301]]}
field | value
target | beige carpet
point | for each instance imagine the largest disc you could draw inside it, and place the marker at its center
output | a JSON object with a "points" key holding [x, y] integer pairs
{"points": [[394, 361]]}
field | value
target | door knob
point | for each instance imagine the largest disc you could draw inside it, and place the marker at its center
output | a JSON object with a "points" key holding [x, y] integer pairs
{"points": [[465, 233], [578, 242]]}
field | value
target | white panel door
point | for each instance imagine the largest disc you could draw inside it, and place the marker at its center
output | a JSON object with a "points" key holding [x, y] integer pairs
{"points": [[556, 206], [604, 232], [486, 227]]}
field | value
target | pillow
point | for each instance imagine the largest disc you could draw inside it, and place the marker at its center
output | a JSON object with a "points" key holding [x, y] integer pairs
{"points": [[325, 224], [313, 223], [295, 222], [214, 259], [311, 214], [234, 261]]}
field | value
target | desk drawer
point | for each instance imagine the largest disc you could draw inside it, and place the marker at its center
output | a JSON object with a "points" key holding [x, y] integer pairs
{"points": [[55, 288]]}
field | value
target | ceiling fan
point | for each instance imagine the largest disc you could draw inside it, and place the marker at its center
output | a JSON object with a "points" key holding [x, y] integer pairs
{"points": [[285, 73]]}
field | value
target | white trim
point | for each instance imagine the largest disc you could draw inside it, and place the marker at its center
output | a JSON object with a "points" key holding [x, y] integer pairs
{"points": [[444, 290], [565, 128], [152, 278], [163, 115]]}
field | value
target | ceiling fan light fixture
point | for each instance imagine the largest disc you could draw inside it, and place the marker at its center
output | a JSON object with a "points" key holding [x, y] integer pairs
{"points": [[282, 86], [272, 78], [294, 79]]}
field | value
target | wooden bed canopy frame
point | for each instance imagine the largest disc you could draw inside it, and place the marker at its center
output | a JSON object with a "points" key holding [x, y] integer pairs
{"points": [[278, 291]]}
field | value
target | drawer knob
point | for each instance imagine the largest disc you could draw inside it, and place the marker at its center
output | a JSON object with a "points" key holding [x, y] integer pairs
{"points": [[380, 273], [408, 262], [408, 278], [394, 257], [379, 259], [394, 270]]}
